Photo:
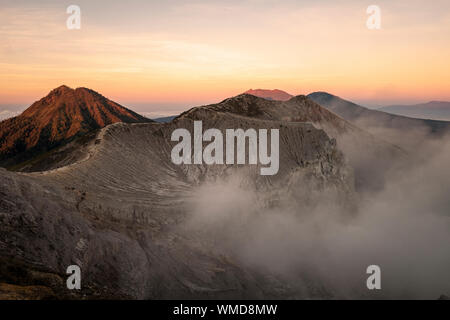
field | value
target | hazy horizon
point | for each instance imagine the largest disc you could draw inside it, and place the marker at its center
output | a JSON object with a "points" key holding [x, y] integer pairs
{"points": [[162, 109]]}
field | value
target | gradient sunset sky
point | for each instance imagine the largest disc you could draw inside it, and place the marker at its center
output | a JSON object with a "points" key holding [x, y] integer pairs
{"points": [[146, 54]]}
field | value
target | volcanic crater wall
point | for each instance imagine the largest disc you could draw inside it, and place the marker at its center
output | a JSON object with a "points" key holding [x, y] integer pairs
{"points": [[117, 213]]}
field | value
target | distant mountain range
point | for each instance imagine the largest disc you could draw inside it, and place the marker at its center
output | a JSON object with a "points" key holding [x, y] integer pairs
{"points": [[435, 110], [63, 115], [66, 114], [164, 119], [403, 130], [400, 130]]}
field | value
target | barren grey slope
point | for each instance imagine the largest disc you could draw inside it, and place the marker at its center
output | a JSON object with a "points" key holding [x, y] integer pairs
{"points": [[119, 213]]}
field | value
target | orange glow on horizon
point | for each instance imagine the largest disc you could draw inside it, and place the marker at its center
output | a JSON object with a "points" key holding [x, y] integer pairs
{"points": [[197, 58]]}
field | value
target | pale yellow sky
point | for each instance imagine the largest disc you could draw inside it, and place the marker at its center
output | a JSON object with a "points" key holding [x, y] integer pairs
{"points": [[189, 52]]}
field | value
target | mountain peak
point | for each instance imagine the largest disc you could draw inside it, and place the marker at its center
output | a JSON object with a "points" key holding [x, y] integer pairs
{"points": [[58, 118], [300, 97], [274, 94], [322, 95], [61, 89]]}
